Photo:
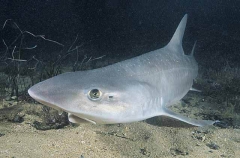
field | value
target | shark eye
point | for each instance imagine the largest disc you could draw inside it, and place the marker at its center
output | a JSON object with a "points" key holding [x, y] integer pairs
{"points": [[94, 94]]}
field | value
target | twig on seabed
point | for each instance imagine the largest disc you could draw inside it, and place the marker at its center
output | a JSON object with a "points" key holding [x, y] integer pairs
{"points": [[85, 57], [90, 59], [70, 48], [21, 60], [38, 61], [37, 36], [42, 36]]}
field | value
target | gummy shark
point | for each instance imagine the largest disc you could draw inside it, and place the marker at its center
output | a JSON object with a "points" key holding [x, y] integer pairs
{"points": [[132, 90]]}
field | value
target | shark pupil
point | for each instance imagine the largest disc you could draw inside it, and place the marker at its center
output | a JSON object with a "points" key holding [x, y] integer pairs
{"points": [[94, 94]]}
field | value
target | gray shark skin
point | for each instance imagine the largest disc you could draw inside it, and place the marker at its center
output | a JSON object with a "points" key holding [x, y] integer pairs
{"points": [[132, 90]]}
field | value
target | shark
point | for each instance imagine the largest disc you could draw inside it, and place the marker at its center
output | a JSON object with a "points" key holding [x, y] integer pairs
{"points": [[128, 91]]}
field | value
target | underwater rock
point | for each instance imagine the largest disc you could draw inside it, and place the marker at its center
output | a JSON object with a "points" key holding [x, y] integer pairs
{"points": [[8, 98], [10, 113], [176, 152], [144, 151], [52, 120], [213, 146], [44, 126], [14, 97], [221, 124], [18, 119]]}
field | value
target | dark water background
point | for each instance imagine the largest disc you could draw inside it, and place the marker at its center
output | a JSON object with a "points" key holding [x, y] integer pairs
{"points": [[126, 28]]}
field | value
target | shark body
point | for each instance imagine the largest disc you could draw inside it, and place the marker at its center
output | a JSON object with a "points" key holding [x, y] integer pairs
{"points": [[132, 90]]}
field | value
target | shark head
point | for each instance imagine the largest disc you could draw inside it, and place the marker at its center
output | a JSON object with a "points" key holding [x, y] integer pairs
{"points": [[89, 96]]}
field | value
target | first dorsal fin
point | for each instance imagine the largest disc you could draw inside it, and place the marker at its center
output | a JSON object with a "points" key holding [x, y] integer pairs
{"points": [[176, 41]]}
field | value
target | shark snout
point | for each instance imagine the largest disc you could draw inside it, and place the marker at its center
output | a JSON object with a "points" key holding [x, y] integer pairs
{"points": [[32, 93], [42, 95], [52, 95], [37, 95]]}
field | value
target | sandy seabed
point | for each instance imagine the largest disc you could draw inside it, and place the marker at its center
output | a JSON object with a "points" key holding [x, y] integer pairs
{"points": [[140, 139]]}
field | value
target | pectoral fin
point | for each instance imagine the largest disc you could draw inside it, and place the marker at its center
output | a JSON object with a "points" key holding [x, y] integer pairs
{"points": [[166, 112], [196, 90], [195, 122]]}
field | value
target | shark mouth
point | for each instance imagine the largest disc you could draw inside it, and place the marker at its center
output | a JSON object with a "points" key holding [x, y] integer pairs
{"points": [[75, 119]]}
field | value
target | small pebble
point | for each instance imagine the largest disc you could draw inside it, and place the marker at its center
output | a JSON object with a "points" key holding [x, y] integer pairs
{"points": [[213, 146], [14, 97]]}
